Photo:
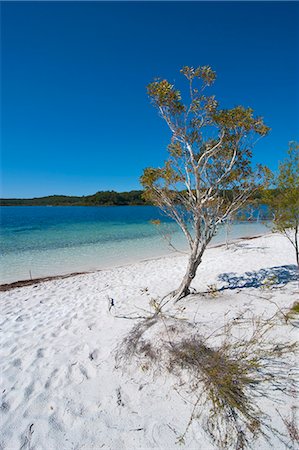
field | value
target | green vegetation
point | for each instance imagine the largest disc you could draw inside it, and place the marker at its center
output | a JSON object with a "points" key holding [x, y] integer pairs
{"points": [[208, 175], [223, 381], [294, 310], [101, 198], [284, 200]]}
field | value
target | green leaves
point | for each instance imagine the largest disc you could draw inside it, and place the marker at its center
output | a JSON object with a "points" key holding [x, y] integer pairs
{"points": [[204, 73], [210, 154], [164, 95], [284, 200], [150, 177], [240, 119], [289, 169], [175, 149]]}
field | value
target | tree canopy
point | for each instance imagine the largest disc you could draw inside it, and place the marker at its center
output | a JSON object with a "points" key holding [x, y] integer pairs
{"points": [[284, 201], [208, 174]]}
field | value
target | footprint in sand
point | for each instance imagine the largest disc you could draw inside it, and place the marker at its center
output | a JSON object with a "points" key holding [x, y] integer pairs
{"points": [[26, 437], [19, 319], [55, 424], [5, 407], [17, 363], [51, 379], [28, 391], [94, 355], [158, 433], [40, 353]]}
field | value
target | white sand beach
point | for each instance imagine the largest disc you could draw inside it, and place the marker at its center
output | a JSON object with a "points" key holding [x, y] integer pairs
{"points": [[60, 384]]}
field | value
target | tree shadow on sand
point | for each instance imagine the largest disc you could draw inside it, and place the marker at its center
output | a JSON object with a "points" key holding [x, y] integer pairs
{"points": [[277, 276]]}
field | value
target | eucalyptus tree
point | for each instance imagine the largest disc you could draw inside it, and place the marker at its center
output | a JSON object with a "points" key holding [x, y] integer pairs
{"points": [[207, 175], [284, 199]]}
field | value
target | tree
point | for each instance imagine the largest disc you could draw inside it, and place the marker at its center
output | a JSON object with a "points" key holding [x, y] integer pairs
{"points": [[207, 175], [284, 199]]}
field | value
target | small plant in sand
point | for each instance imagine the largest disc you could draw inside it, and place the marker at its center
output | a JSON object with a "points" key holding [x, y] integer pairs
{"points": [[208, 174], [223, 380], [292, 315], [212, 290], [295, 309], [269, 282]]}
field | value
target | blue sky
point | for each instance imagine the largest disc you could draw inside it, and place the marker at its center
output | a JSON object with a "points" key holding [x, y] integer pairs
{"points": [[75, 115]]}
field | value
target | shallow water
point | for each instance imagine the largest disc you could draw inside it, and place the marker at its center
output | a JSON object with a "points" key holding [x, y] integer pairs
{"points": [[43, 241]]}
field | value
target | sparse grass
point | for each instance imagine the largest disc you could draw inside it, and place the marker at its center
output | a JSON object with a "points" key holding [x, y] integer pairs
{"points": [[212, 290], [227, 381], [224, 380], [292, 314], [295, 309], [269, 282], [291, 425], [134, 346]]}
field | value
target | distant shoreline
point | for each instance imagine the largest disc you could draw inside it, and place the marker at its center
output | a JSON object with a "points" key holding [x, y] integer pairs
{"points": [[101, 198], [70, 206]]}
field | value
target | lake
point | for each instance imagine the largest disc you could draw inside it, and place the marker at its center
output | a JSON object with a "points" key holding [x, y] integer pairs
{"points": [[44, 241]]}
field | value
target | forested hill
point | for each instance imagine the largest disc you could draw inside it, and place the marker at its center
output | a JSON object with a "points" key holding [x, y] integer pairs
{"points": [[102, 198]]}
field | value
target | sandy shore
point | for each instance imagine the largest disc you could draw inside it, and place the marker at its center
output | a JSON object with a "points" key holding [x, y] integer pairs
{"points": [[59, 382], [28, 282]]}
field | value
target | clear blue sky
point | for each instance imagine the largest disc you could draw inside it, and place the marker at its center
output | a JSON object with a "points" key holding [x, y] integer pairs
{"points": [[75, 115]]}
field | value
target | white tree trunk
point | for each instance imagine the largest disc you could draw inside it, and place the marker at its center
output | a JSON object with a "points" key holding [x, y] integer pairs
{"points": [[184, 290], [193, 263]]}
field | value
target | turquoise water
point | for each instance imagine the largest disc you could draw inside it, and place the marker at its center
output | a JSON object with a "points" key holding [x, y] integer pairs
{"points": [[43, 241]]}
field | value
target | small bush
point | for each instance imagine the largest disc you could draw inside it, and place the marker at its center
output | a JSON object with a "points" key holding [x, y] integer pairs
{"points": [[295, 309], [212, 290], [225, 380]]}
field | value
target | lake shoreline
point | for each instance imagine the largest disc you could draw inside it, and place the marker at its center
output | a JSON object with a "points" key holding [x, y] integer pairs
{"points": [[28, 282], [41, 242]]}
